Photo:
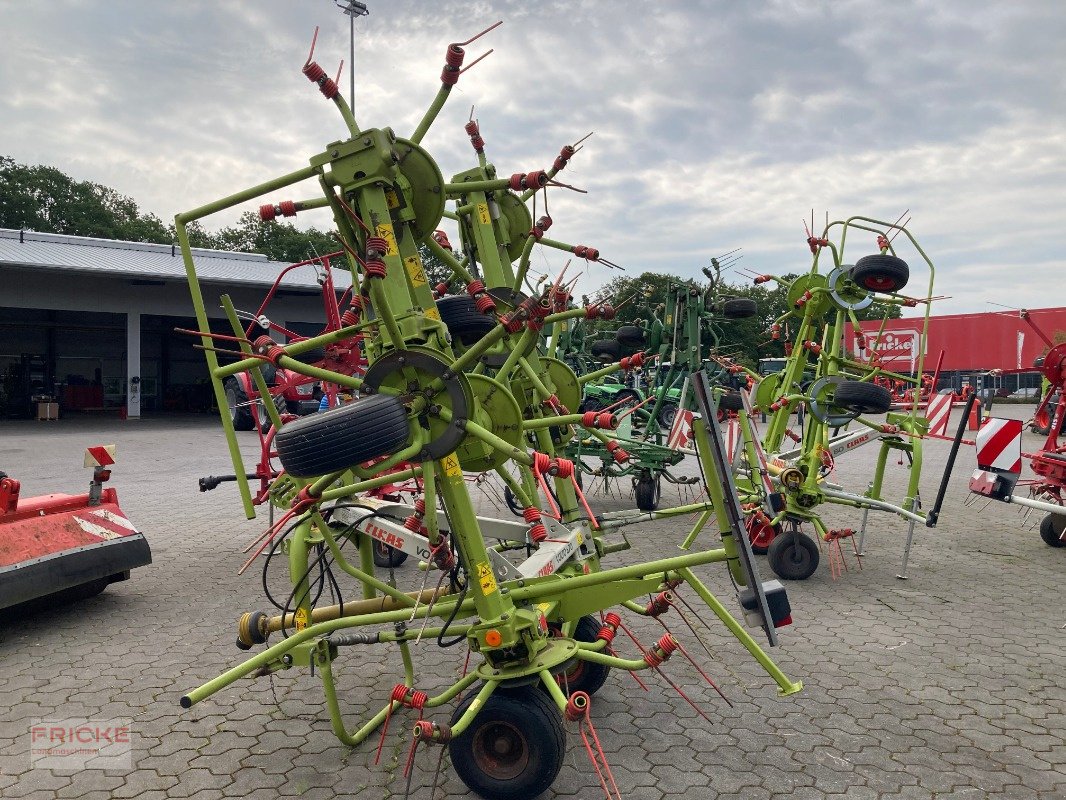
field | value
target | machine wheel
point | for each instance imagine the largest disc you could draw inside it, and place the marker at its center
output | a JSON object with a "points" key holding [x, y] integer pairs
{"points": [[341, 437], [633, 398], [464, 322], [739, 308], [731, 401], [864, 398], [514, 747], [881, 273], [793, 557], [648, 491], [667, 413], [606, 350], [584, 676], [1051, 530], [385, 556], [761, 534], [589, 404], [631, 335], [1041, 422], [236, 400]]}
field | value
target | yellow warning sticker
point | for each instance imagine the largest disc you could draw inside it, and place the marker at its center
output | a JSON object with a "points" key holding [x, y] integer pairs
{"points": [[391, 200], [483, 214], [386, 232], [450, 463], [300, 618], [432, 313], [485, 578], [415, 271]]}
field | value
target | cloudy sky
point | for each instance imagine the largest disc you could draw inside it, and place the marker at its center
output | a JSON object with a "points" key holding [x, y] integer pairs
{"points": [[718, 124]]}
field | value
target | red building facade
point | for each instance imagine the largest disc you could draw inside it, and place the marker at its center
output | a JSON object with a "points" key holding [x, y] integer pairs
{"points": [[972, 343]]}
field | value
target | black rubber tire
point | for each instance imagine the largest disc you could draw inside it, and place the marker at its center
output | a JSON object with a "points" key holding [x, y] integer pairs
{"points": [[731, 401], [342, 437], [648, 492], [1049, 533], [739, 308], [606, 350], [584, 676], [236, 399], [513, 749], [270, 373], [630, 394], [793, 556], [464, 322], [864, 398], [631, 335], [667, 414], [589, 404], [881, 273], [386, 556], [1041, 423]]}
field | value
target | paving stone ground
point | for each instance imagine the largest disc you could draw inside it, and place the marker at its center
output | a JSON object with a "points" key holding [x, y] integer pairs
{"points": [[946, 685]]}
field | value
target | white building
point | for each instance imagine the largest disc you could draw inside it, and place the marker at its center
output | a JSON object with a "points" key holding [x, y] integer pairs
{"points": [[90, 322]]}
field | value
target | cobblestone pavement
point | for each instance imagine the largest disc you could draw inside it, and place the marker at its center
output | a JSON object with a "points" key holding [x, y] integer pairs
{"points": [[947, 685]]}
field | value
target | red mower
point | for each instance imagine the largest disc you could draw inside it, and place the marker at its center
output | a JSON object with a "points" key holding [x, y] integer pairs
{"points": [[66, 546]]}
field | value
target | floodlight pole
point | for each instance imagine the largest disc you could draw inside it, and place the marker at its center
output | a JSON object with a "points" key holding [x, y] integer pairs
{"points": [[353, 9]]}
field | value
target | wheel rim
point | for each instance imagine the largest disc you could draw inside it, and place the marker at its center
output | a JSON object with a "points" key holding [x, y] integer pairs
{"points": [[760, 534], [668, 414], [500, 750], [1042, 420], [879, 283], [796, 555], [383, 549], [231, 403]]}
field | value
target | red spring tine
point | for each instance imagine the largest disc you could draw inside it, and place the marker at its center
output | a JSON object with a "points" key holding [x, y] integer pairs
{"points": [[473, 38], [311, 54]]}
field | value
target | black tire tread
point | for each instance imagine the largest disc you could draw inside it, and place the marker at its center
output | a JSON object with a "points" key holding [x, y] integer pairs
{"points": [[1048, 532], [526, 703], [632, 335], [342, 437], [781, 566], [881, 266], [464, 322], [739, 308], [866, 398]]}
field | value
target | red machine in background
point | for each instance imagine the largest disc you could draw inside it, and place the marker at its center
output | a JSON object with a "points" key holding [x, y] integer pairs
{"points": [[67, 546], [1000, 457]]}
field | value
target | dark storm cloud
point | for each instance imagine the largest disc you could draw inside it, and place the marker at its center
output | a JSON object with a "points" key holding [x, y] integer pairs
{"points": [[718, 124]]}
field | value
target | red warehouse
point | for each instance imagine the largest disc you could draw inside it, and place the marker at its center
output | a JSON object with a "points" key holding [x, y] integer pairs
{"points": [[972, 344]]}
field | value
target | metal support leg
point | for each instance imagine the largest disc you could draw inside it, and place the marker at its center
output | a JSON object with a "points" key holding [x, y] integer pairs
{"points": [[907, 547], [862, 532]]}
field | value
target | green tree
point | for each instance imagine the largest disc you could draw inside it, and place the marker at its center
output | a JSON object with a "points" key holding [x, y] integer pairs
{"points": [[45, 199], [279, 241]]}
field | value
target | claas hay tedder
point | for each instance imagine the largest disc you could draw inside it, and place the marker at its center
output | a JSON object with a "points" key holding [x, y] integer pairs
{"points": [[457, 385]]}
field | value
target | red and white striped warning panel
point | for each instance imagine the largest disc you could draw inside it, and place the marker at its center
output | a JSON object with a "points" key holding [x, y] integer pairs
{"points": [[937, 412], [999, 445], [681, 430], [104, 524], [101, 455]]}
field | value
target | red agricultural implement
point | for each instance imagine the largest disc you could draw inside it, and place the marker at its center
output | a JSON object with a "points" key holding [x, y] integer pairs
{"points": [[64, 545], [999, 474]]}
